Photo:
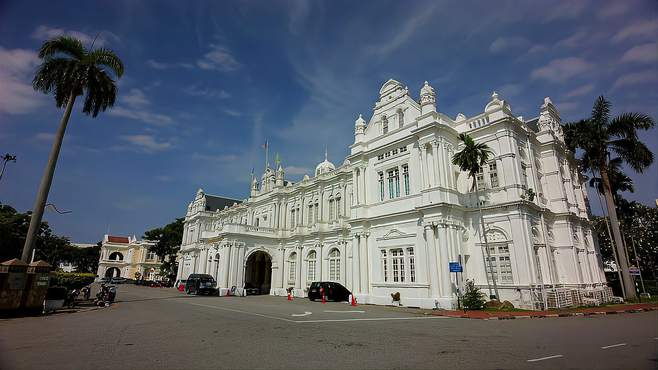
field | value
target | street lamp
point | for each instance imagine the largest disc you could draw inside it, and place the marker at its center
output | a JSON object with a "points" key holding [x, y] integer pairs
{"points": [[6, 158]]}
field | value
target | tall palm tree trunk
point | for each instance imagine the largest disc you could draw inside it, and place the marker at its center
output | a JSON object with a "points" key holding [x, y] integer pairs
{"points": [[486, 244], [616, 233], [46, 180]]}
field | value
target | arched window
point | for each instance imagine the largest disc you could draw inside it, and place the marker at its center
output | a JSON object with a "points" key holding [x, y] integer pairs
{"points": [[292, 262], [400, 117], [384, 125], [334, 265], [332, 204], [116, 256], [216, 267], [312, 262], [338, 206]]}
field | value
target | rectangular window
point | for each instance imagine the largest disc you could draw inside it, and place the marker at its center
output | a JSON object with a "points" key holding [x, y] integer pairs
{"points": [[395, 151], [331, 209], [338, 205], [381, 186], [387, 154], [391, 192], [334, 269], [292, 218], [480, 179], [403, 149], [396, 174], [398, 265], [311, 271], [412, 265], [384, 265], [380, 157], [310, 215], [524, 174], [501, 264], [493, 175], [150, 255], [405, 176], [293, 270]]}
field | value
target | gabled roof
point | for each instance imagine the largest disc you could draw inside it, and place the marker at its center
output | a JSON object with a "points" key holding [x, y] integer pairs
{"points": [[214, 202]]}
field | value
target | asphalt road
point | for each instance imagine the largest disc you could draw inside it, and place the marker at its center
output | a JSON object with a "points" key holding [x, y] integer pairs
{"points": [[159, 328]]}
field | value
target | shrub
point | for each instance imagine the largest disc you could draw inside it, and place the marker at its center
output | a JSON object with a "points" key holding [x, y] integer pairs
{"points": [[71, 280], [473, 299]]}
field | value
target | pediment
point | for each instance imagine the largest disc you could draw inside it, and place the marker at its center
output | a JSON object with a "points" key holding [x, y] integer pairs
{"points": [[395, 234]]}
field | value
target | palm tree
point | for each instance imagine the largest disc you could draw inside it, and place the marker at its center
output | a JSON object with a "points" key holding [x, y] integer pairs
{"points": [[70, 70], [471, 159], [598, 137], [619, 181]]}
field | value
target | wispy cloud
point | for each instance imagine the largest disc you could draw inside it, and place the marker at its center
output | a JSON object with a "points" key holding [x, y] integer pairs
{"points": [[647, 53], [135, 105], [402, 33], [103, 39], [143, 143], [16, 93], [564, 10], [585, 89], [636, 78], [639, 29], [165, 65], [219, 58], [507, 43], [231, 112], [45, 136], [195, 90], [135, 98], [561, 70]]}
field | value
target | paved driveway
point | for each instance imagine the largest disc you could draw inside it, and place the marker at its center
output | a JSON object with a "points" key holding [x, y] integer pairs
{"points": [[159, 328]]}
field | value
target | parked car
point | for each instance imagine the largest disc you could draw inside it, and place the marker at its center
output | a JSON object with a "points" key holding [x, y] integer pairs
{"points": [[332, 291], [250, 289], [201, 284], [104, 280]]}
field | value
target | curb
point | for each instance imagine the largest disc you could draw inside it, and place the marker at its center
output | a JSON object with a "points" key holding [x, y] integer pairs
{"points": [[541, 316]]}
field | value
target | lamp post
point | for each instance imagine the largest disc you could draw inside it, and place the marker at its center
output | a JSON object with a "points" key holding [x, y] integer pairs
{"points": [[6, 158]]}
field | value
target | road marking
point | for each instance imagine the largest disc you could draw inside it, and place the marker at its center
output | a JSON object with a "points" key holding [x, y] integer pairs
{"points": [[345, 311], [306, 313], [613, 345], [545, 358], [244, 312], [371, 319]]}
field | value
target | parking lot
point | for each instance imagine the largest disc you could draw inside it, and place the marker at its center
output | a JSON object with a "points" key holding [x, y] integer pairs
{"points": [[161, 328]]}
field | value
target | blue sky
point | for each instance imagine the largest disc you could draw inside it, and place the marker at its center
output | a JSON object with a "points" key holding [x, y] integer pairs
{"points": [[207, 82]]}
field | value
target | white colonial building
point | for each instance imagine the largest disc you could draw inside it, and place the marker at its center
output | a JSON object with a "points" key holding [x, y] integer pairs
{"points": [[396, 212]]}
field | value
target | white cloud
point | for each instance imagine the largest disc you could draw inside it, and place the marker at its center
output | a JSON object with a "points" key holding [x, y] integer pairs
{"points": [[641, 29], [45, 136], [43, 33], [135, 98], [647, 53], [613, 8], [636, 78], [294, 170], [585, 89], [206, 92], [144, 143], [567, 106], [219, 58], [142, 115], [506, 43], [575, 40], [563, 10], [163, 66], [402, 34], [231, 112], [16, 93], [561, 70]]}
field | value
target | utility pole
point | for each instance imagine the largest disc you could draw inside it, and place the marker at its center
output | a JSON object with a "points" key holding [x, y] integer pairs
{"points": [[6, 158]]}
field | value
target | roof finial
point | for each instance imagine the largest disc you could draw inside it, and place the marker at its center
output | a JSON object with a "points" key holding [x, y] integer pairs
{"points": [[494, 95], [325, 152]]}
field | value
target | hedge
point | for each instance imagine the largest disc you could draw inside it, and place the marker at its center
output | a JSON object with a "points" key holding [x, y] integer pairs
{"points": [[72, 280]]}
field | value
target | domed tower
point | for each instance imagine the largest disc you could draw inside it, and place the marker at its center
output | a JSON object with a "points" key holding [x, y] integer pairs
{"points": [[324, 167], [427, 99], [359, 129]]}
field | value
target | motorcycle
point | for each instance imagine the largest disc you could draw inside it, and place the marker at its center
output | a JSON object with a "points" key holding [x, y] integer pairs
{"points": [[105, 295], [86, 292], [71, 297]]}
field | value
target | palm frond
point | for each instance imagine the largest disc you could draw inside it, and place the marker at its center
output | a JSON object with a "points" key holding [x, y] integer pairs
{"points": [[65, 45], [634, 152], [601, 111], [627, 124], [106, 58]]}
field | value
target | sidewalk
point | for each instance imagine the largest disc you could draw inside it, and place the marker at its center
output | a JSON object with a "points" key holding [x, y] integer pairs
{"points": [[584, 311]]}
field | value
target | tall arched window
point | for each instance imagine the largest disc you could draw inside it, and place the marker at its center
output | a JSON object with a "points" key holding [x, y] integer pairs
{"points": [[338, 206], [312, 262], [331, 209], [216, 267], [292, 263], [334, 265]]}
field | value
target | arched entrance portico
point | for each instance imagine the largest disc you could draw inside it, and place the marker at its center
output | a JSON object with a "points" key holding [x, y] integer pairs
{"points": [[258, 271], [112, 272]]}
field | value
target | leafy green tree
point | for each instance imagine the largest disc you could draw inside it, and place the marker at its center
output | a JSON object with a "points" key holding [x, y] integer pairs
{"points": [[169, 238], [473, 298], [70, 70], [598, 137], [471, 159]]}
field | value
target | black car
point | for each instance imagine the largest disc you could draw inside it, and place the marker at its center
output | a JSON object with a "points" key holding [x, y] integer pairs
{"points": [[332, 291], [201, 284], [250, 289]]}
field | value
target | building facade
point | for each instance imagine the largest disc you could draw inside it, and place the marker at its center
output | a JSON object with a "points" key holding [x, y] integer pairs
{"points": [[125, 256], [396, 212]]}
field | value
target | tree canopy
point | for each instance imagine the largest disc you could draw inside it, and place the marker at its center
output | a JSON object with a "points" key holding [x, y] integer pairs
{"points": [[168, 240]]}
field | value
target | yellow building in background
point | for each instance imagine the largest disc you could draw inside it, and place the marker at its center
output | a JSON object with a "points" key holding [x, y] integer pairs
{"points": [[125, 256]]}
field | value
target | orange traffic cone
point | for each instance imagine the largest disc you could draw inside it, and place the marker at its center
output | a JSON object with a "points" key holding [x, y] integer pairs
{"points": [[353, 303]]}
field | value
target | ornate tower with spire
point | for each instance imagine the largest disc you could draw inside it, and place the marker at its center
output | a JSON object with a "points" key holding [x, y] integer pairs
{"points": [[427, 99]]}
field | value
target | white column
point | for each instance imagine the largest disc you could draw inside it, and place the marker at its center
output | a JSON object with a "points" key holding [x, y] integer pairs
{"points": [[227, 265], [356, 262], [432, 261], [363, 260], [298, 272], [444, 271], [430, 166]]}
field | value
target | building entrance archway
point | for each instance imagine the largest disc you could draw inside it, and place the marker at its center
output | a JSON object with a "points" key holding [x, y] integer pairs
{"points": [[258, 272], [112, 272]]}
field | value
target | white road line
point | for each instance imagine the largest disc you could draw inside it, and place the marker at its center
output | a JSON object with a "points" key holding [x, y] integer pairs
{"points": [[306, 313], [345, 311], [372, 319], [545, 358], [244, 312], [613, 345]]}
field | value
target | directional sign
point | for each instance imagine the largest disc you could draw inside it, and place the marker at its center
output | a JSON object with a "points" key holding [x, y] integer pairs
{"points": [[456, 267]]}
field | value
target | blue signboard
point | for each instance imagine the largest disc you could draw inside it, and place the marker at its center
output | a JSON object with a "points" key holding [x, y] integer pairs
{"points": [[455, 267]]}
